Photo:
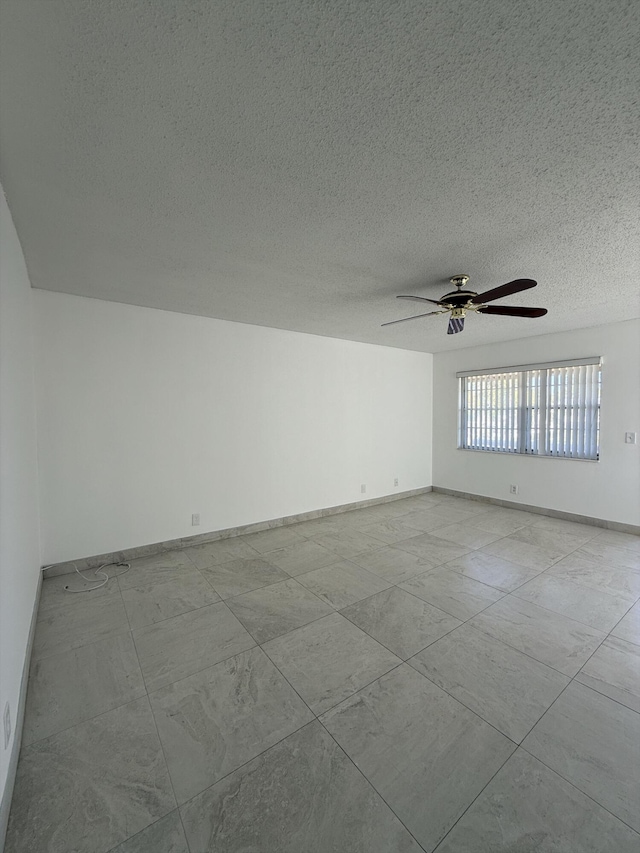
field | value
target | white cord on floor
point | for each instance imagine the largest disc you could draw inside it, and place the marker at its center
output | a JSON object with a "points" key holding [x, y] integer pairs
{"points": [[98, 571]]}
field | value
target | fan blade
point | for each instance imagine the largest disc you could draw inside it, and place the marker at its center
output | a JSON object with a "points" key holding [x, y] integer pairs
{"points": [[504, 290], [456, 324], [510, 311], [420, 299], [404, 319]]}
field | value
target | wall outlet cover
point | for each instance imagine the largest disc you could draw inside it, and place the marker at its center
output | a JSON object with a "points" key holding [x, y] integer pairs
{"points": [[195, 519]]}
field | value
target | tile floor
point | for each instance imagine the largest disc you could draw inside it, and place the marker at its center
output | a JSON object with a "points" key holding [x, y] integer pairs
{"points": [[429, 674]]}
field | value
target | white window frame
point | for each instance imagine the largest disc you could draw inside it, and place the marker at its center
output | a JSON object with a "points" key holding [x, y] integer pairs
{"points": [[519, 419]]}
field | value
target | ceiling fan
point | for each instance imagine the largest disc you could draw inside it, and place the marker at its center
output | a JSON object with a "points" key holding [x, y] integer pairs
{"points": [[459, 301]]}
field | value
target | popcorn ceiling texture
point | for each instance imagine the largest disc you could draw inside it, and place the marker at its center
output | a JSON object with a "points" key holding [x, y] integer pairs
{"points": [[298, 163]]}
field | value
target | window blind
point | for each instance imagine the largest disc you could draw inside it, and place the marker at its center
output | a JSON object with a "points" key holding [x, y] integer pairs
{"points": [[543, 410]]}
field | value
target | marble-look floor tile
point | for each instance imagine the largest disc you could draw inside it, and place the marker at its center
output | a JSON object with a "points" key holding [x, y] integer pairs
{"points": [[390, 531], [629, 541], [55, 594], [492, 571], [426, 519], [272, 540], [592, 742], [348, 542], [452, 592], [328, 660], [590, 571], [466, 535], [76, 685], [62, 628], [277, 609], [219, 552], [302, 795], [614, 670], [216, 720], [583, 532], [432, 548], [238, 576], [91, 787], [392, 564], [593, 607], [401, 622], [426, 754], [523, 553], [555, 542], [343, 583], [180, 646], [302, 557], [527, 807], [628, 628], [154, 569], [555, 640], [164, 836], [155, 602], [610, 555], [503, 686], [503, 521]]}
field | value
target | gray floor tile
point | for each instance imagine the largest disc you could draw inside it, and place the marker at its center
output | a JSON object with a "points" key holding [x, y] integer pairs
{"points": [[628, 628], [596, 573], [329, 660], [619, 540], [493, 571], [277, 609], [557, 543], [548, 637], [390, 531], [343, 583], [432, 548], [55, 594], [185, 644], [454, 593], [155, 602], [426, 519], [593, 607], [238, 576], [528, 808], [610, 555], [302, 557], [216, 720], [69, 627], [155, 568], [273, 539], [219, 552], [594, 743], [583, 532], [76, 685], [164, 836], [532, 556], [393, 564], [401, 622], [302, 795], [348, 542], [464, 534], [503, 686], [614, 670], [91, 787], [425, 753], [503, 521]]}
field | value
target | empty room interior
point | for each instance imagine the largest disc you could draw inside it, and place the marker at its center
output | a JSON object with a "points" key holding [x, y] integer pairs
{"points": [[319, 426]]}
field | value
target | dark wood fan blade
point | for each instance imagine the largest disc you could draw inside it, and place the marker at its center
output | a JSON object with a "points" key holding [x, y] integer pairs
{"points": [[511, 311], [504, 290], [420, 299], [404, 319]]}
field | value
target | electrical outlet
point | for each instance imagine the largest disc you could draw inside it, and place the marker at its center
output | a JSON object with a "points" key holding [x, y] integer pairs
{"points": [[195, 519], [363, 488], [395, 481], [630, 438], [6, 719], [513, 489]]}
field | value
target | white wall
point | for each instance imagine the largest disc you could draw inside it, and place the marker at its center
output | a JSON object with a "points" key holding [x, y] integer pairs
{"points": [[608, 489], [148, 416], [19, 531]]}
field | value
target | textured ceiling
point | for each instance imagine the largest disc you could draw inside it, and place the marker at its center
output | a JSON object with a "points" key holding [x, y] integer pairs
{"points": [[298, 163]]}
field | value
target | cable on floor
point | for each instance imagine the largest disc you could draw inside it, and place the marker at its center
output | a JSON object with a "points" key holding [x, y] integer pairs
{"points": [[98, 571]]}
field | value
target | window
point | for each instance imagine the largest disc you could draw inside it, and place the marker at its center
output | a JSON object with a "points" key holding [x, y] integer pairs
{"points": [[535, 409]]}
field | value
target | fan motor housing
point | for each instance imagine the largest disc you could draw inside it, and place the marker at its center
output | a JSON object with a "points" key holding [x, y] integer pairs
{"points": [[458, 298]]}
